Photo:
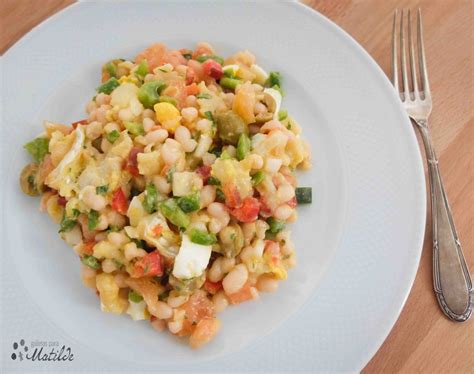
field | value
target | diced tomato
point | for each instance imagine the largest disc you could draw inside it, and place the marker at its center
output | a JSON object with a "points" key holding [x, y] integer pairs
{"points": [[242, 295], [232, 196], [148, 266], [248, 212], [131, 164], [212, 69], [153, 318], [88, 248], [205, 172], [197, 308], [119, 201], [62, 200], [292, 203], [157, 230], [81, 122], [192, 89], [190, 77], [272, 249], [212, 287]]}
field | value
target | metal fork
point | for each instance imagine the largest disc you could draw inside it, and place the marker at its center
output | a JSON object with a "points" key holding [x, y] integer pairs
{"points": [[451, 278]]}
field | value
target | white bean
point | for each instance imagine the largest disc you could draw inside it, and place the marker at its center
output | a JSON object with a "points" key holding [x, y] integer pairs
{"points": [[162, 184], [91, 106], [148, 113], [117, 238], [156, 136], [148, 123], [171, 151], [236, 279], [176, 301], [259, 108], [108, 265], [204, 144], [191, 100], [266, 283], [220, 301], [111, 126], [131, 251], [183, 136], [283, 212], [91, 199], [208, 159], [125, 114], [207, 196], [204, 125], [260, 228], [175, 326], [285, 193], [163, 310], [189, 114], [272, 165]]}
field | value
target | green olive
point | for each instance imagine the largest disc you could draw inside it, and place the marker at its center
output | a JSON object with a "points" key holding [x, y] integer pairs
{"points": [[231, 240], [28, 181], [230, 126]]}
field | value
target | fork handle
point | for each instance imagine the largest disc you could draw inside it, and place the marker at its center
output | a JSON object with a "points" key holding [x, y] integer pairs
{"points": [[452, 281]]}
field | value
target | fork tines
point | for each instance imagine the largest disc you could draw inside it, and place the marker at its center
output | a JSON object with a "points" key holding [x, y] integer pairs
{"points": [[404, 89]]}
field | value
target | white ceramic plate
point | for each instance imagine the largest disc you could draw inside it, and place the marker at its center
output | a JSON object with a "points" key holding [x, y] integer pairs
{"points": [[363, 231]]}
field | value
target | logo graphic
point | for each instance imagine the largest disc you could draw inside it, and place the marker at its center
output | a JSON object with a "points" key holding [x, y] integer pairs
{"points": [[19, 350], [41, 351]]}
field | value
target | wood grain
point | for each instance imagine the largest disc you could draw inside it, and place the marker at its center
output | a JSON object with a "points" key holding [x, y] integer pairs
{"points": [[423, 340]]}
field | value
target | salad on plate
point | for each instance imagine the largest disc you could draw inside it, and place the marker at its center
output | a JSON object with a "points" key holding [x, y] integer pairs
{"points": [[176, 189]]}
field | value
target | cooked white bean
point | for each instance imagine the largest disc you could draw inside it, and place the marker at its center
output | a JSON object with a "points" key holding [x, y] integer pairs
{"points": [[204, 144], [148, 123], [260, 228], [111, 126], [220, 301], [204, 126], [259, 108], [189, 114], [163, 310], [171, 151], [148, 113], [94, 130], [283, 212], [91, 199], [109, 266], [175, 326], [162, 184], [125, 114], [207, 196], [91, 106], [130, 250], [285, 193], [176, 301], [117, 238], [156, 136], [191, 100], [183, 136], [73, 237], [208, 159], [272, 165], [236, 279], [267, 283]]}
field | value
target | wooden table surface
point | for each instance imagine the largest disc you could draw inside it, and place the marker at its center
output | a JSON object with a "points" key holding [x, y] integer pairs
{"points": [[423, 340]]}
